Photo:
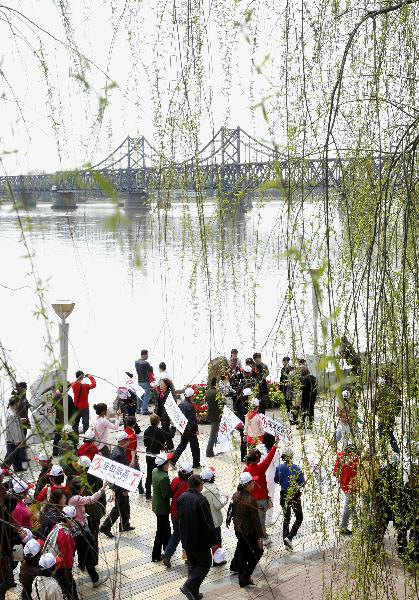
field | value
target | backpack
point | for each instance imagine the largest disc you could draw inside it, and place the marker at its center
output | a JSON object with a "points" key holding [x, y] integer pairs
{"points": [[231, 511]]}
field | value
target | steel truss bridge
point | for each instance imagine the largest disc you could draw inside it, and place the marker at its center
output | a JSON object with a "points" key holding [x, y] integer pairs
{"points": [[232, 160]]}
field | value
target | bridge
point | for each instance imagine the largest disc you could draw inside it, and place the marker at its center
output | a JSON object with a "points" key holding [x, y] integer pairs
{"points": [[231, 161]]}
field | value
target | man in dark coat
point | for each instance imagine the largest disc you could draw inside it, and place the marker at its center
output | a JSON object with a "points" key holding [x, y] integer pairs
{"points": [[214, 411], [190, 435], [308, 395], [197, 533]]}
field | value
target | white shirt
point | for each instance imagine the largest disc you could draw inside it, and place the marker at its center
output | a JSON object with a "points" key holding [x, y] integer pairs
{"points": [[46, 588], [101, 429], [163, 375]]}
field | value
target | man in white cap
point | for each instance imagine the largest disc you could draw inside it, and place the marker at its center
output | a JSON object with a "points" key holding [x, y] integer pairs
{"points": [[29, 568], [190, 435], [121, 507], [44, 586]]}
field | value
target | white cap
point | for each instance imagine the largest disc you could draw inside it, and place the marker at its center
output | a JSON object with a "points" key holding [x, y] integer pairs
{"points": [[189, 392], [185, 468], [245, 478], [31, 548], [254, 402], [89, 434], [161, 459], [28, 535], [219, 556], [207, 473], [56, 470], [345, 394], [47, 561], [20, 486], [43, 456], [247, 369], [69, 511], [84, 461], [121, 435], [247, 392], [67, 429]]}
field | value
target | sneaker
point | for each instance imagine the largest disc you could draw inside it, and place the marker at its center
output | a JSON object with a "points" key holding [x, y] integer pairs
{"points": [[187, 593], [345, 531], [166, 561], [100, 581], [288, 544], [106, 532]]}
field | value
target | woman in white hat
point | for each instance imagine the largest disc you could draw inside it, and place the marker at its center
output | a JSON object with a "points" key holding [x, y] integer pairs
{"points": [[248, 530], [21, 515], [217, 503], [44, 586], [29, 569]]}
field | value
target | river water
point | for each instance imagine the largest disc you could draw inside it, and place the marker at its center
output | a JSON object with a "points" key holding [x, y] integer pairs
{"points": [[183, 284]]}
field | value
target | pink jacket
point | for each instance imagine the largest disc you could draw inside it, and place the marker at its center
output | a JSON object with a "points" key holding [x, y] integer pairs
{"points": [[79, 502], [253, 426], [101, 429]]}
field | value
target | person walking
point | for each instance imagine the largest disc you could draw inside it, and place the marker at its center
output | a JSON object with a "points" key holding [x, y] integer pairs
{"points": [[121, 508], [144, 369], [45, 586], [258, 468], [87, 550], [291, 479], [161, 505], [178, 485], [155, 441], [214, 412], [308, 397], [102, 427], [81, 400], [29, 568], [248, 530], [15, 437], [190, 435], [261, 371], [197, 533], [163, 391], [217, 503], [346, 469]]}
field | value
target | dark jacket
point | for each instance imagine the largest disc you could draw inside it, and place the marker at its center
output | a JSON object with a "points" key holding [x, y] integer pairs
{"points": [[197, 530], [154, 440], [143, 368], [29, 569], [246, 515], [42, 481], [213, 409], [161, 492], [308, 389], [189, 411], [119, 455]]}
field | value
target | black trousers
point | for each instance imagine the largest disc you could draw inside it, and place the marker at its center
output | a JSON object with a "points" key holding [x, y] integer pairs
{"points": [[198, 568], [120, 509], [83, 415], [87, 553], [68, 585], [246, 556], [307, 407], [192, 440], [151, 463], [287, 503], [13, 456], [162, 536]]}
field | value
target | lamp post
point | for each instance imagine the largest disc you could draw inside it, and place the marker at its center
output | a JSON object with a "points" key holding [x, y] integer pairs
{"points": [[63, 309]]}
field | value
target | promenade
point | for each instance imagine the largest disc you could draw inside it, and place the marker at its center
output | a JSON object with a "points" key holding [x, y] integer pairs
{"points": [[312, 571]]}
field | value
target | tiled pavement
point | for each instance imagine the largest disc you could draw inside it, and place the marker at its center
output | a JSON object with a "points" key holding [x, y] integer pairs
{"points": [[306, 573]]}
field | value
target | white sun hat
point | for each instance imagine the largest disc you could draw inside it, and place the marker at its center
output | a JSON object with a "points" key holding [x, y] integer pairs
{"points": [[189, 392], [31, 548], [56, 470], [84, 461], [254, 402], [207, 473], [28, 535], [185, 468], [219, 556], [89, 434], [47, 561], [42, 456], [247, 392], [161, 459], [121, 435], [247, 369], [246, 478], [69, 511]]}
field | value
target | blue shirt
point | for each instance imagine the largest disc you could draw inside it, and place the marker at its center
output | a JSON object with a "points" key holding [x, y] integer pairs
{"points": [[284, 472]]}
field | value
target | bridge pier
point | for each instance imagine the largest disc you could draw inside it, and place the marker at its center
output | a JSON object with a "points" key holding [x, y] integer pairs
{"points": [[64, 200], [27, 199], [133, 200]]}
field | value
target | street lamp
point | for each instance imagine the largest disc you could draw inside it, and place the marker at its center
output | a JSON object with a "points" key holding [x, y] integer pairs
{"points": [[63, 309]]}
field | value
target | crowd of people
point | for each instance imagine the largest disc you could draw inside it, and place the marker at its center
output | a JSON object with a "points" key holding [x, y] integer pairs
{"points": [[45, 523]]}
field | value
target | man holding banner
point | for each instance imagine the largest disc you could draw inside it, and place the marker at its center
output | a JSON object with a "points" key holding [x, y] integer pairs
{"points": [[187, 425]]}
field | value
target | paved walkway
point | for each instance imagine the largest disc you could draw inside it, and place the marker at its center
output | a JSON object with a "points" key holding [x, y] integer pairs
{"points": [[304, 574]]}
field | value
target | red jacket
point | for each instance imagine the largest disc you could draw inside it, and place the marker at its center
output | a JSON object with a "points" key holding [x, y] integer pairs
{"points": [[260, 490], [66, 546], [88, 449], [81, 392], [177, 487], [132, 445], [346, 468], [45, 492]]}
